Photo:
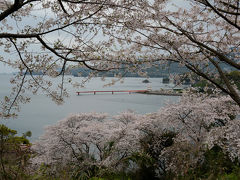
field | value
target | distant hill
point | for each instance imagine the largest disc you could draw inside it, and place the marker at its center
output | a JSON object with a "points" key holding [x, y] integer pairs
{"points": [[154, 71], [157, 70]]}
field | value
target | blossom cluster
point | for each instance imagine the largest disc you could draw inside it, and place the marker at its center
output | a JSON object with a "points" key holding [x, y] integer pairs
{"points": [[198, 122]]}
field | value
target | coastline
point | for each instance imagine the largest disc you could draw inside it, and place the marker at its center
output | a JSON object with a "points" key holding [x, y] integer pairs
{"points": [[164, 93]]}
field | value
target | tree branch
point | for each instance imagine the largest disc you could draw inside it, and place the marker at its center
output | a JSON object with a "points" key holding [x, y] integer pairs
{"points": [[221, 56], [208, 4], [62, 6], [15, 7]]}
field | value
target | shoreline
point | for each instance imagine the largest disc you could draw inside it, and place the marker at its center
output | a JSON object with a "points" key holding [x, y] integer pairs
{"points": [[161, 93]]}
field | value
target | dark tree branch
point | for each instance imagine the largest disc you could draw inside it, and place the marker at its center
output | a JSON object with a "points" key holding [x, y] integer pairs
{"points": [[35, 35], [229, 5], [197, 71], [18, 93], [218, 54], [208, 4], [62, 6], [71, 60], [97, 3], [232, 91], [18, 4], [30, 71], [13, 8]]}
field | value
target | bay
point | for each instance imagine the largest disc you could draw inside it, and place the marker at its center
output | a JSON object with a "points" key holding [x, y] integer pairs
{"points": [[42, 111]]}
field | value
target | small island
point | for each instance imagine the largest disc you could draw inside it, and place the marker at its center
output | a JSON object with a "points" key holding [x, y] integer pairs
{"points": [[146, 81]]}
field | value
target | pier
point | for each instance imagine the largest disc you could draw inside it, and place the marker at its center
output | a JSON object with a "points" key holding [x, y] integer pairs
{"points": [[150, 92], [112, 91]]}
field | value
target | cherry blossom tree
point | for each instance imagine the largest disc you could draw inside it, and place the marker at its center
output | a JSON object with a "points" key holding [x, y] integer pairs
{"points": [[194, 120], [226, 137], [48, 36], [201, 35], [88, 140]]}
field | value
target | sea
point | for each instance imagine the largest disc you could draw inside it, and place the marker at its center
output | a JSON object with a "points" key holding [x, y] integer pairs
{"points": [[42, 111]]}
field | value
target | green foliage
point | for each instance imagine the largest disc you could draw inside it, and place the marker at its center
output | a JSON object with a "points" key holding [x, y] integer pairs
{"points": [[85, 173], [201, 84], [235, 175], [5, 132], [44, 173], [145, 164], [14, 154], [216, 165], [165, 140], [148, 161], [233, 76], [114, 176]]}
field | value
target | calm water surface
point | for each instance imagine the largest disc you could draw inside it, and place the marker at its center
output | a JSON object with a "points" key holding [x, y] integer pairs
{"points": [[41, 111]]}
